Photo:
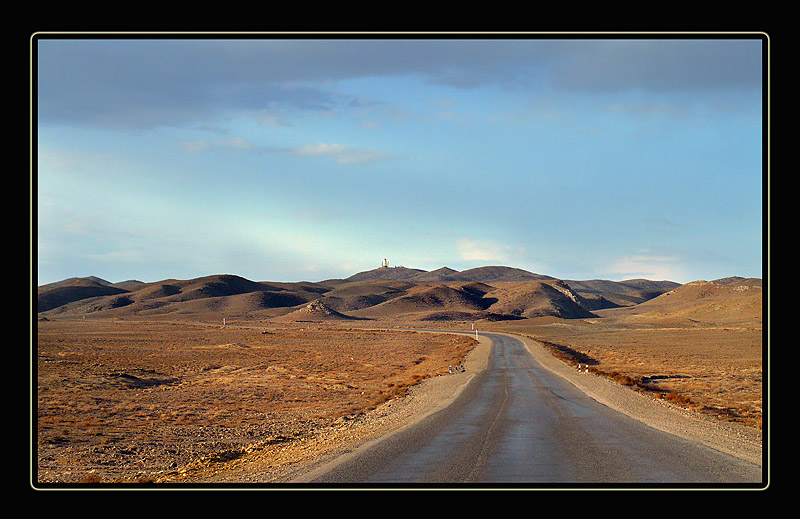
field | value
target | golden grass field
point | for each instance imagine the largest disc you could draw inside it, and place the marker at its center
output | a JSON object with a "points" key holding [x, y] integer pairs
{"points": [[121, 401]]}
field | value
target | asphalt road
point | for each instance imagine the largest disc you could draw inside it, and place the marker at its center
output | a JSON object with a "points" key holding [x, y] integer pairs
{"points": [[518, 425]]}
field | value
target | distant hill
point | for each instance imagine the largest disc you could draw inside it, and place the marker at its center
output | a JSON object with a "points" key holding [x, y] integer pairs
{"points": [[703, 302], [610, 294], [395, 273], [480, 274], [77, 281], [496, 274], [58, 294], [131, 283], [471, 300], [738, 281], [315, 311], [392, 293], [538, 299], [200, 295], [440, 274], [422, 299], [357, 295]]}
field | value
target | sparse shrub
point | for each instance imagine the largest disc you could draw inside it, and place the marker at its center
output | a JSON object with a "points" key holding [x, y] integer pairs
{"points": [[677, 398]]}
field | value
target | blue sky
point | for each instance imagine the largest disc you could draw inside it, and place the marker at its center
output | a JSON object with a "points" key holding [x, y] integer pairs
{"points": [[288, 159]]}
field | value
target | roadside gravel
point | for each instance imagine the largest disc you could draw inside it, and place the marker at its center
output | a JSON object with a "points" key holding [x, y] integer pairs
{"points": [[296, 463], [732, 438]]}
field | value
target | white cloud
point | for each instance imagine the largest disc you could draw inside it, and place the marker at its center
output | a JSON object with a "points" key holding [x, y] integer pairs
{"points": [[194, 146], [321, 149], [201, 145], [271, 117], [648, 266], [238, 142], [340, 153], [482, 250]]}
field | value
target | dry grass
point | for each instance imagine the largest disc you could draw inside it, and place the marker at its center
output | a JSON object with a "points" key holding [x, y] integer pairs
{"points": [[709, 369], [121, 401]]}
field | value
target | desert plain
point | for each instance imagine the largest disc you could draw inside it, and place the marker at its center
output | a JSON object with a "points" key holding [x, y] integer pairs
{"points": [[222, 379]]}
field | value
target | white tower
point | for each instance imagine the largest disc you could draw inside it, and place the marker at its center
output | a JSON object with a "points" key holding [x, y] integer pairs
{"points": [[385, 263]]}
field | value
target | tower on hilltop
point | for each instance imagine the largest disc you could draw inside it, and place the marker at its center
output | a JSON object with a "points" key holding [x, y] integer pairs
{"points": [[385, 263]]}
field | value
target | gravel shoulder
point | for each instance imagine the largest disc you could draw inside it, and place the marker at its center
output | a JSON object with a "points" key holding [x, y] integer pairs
{"points": [[297, 463], [731, 438]]}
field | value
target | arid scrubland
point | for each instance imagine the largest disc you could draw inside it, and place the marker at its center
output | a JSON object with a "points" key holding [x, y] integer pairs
{"points": [[176, 380], [127, 401]]}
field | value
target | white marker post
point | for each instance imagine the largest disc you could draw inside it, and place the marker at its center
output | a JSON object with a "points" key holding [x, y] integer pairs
{"points": [[476, 334]]}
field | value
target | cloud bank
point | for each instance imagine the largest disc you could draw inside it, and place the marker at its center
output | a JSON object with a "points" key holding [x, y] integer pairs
{"points": [[153, 82]]}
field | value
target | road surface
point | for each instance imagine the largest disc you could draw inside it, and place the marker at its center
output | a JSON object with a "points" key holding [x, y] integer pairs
{"points": [[519, 425]]}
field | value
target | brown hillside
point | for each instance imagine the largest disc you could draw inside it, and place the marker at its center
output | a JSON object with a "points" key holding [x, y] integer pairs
{"points": [[156, 291], [216, 286], [314, 311], [131, 284], [493, 274], [738, 281], [77, 289], [246, 305], [440, 274], [609, 294], [79, 281], [700, 302], [538, 299], [487, 274], [426, 298], [493, 292], [358, 295], [393, 273], [233, 295]]}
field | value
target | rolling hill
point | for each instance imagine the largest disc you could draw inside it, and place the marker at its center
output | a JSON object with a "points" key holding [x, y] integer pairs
{"points": [[481, 274], [393, 273], [542, 298], [609, 294], [200, 295], [74, 289], [388, 293], [314, 311], [729, 302]]}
